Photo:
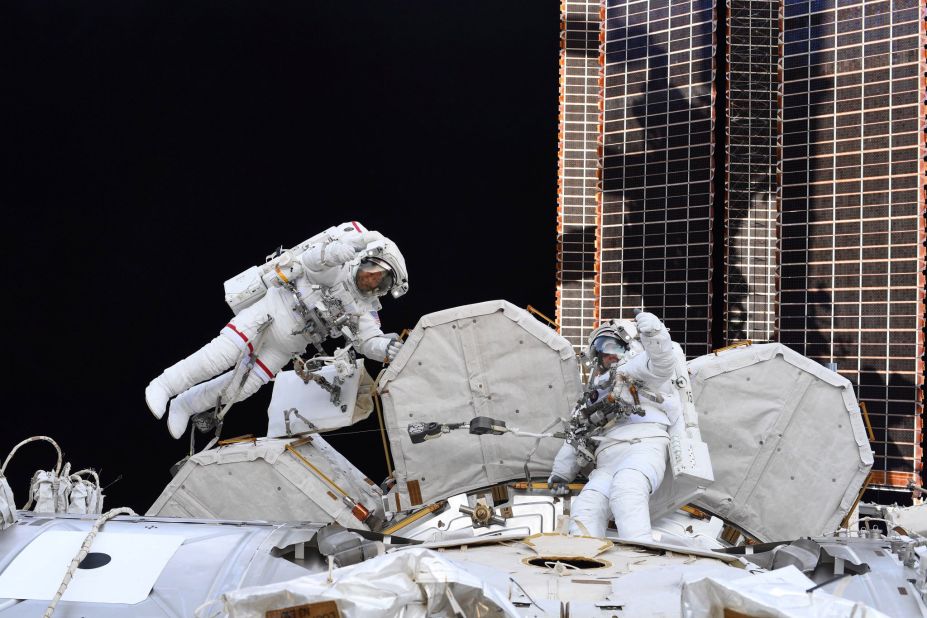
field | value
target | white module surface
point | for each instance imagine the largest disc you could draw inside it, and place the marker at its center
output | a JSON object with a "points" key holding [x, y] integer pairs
{"points": [[135, 563]]}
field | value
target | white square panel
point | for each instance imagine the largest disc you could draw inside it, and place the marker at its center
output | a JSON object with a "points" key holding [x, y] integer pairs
{"points": [[131, 563]]}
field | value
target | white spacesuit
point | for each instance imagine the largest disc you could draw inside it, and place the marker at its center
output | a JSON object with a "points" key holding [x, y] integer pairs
{"points": [[328, 286], [630, 458]]}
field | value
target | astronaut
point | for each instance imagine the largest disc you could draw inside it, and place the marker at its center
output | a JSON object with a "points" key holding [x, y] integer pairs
{"points": [[630, 456], [328, 286]]}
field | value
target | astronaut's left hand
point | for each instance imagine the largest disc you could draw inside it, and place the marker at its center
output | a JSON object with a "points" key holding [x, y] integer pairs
{"points": [[393, 349], [648, 324]]}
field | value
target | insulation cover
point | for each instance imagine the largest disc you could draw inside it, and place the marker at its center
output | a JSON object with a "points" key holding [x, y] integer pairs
{"points": [[7, 504], [269, 479], [312, 403], [414, 583], [487, 359], [787, 440]]}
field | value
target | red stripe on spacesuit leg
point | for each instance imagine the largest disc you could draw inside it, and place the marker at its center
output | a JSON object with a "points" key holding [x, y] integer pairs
{"points": [[258, 362], [356, 226], [244, 337]]}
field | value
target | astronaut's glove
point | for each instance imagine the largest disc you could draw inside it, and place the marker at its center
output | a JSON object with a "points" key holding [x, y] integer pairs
{"points": [[648, 324], [393, 349], [336, 252], [558, 485]]}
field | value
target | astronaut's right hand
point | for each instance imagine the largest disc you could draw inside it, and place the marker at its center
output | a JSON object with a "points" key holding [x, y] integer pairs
{"points": [[648, 324], [336, 252], [558, 485]]}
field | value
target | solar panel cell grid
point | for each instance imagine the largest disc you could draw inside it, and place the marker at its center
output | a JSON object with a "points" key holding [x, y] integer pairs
{"points": [[576, 298], [852, 226], [657, 164], [751, 164], [824, 174]]}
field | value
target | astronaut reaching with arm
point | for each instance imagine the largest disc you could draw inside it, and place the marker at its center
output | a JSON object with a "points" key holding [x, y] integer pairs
{"points": [[329, 286], [630, 451]]}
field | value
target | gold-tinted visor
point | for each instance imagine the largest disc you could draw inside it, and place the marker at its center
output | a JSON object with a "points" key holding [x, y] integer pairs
{"points": [[373, 277]]}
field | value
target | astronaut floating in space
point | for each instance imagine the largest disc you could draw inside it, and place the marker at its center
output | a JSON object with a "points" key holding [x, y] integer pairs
{"points": [[630, 456], [328, 286]]}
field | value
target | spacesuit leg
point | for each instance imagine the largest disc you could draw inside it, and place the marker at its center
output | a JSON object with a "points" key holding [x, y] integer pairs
{"points": [[630, 504], [210, 360], [638, 470], [203, 397], [590, 507]]}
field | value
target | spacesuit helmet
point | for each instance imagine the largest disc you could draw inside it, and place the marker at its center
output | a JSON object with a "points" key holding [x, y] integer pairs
{"points": [[373, 277], [381, 269], [611, 342], [608, 349]]}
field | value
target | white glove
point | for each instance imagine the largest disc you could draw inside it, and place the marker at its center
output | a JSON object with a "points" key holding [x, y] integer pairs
{"points": [[336, 252], [648, 324], [558, 485], [393, 349]]}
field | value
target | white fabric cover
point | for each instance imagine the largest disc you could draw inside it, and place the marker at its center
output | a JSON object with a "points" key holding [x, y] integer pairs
{"points": [[782, 431], [413, 583], [7, 504], [50, 492], [487, 359], [263, 481], [313, 403], [776, 594], [77, 501], [85, 498]]}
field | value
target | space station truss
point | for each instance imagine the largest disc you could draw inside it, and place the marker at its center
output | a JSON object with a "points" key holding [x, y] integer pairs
{"points": [[756, 170]]}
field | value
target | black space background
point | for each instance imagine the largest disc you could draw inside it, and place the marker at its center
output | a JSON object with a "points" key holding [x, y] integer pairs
{"points": [[152, 149]]}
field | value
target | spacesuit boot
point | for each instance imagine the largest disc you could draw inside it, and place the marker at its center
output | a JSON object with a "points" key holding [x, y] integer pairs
{"points": [[177, 420], [202, 398], [156, 396], [210, 360], [177, 423]]}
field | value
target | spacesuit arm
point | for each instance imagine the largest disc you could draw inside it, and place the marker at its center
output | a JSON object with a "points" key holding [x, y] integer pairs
{"points": [[661, 361], [354, 234], [566, 466], [371, 342], [339, 245], [324, 256], [361, 240]]}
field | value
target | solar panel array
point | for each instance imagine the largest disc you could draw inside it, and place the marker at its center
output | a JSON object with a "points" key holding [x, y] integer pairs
{"points": [[577, 213], [658, 164], [751, 196], [852, 227], [824, 188]]}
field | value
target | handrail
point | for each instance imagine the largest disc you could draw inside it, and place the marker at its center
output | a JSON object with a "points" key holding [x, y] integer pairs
{"points": [[534, 311], [27, 441], [377, 404], [89, 471]]}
